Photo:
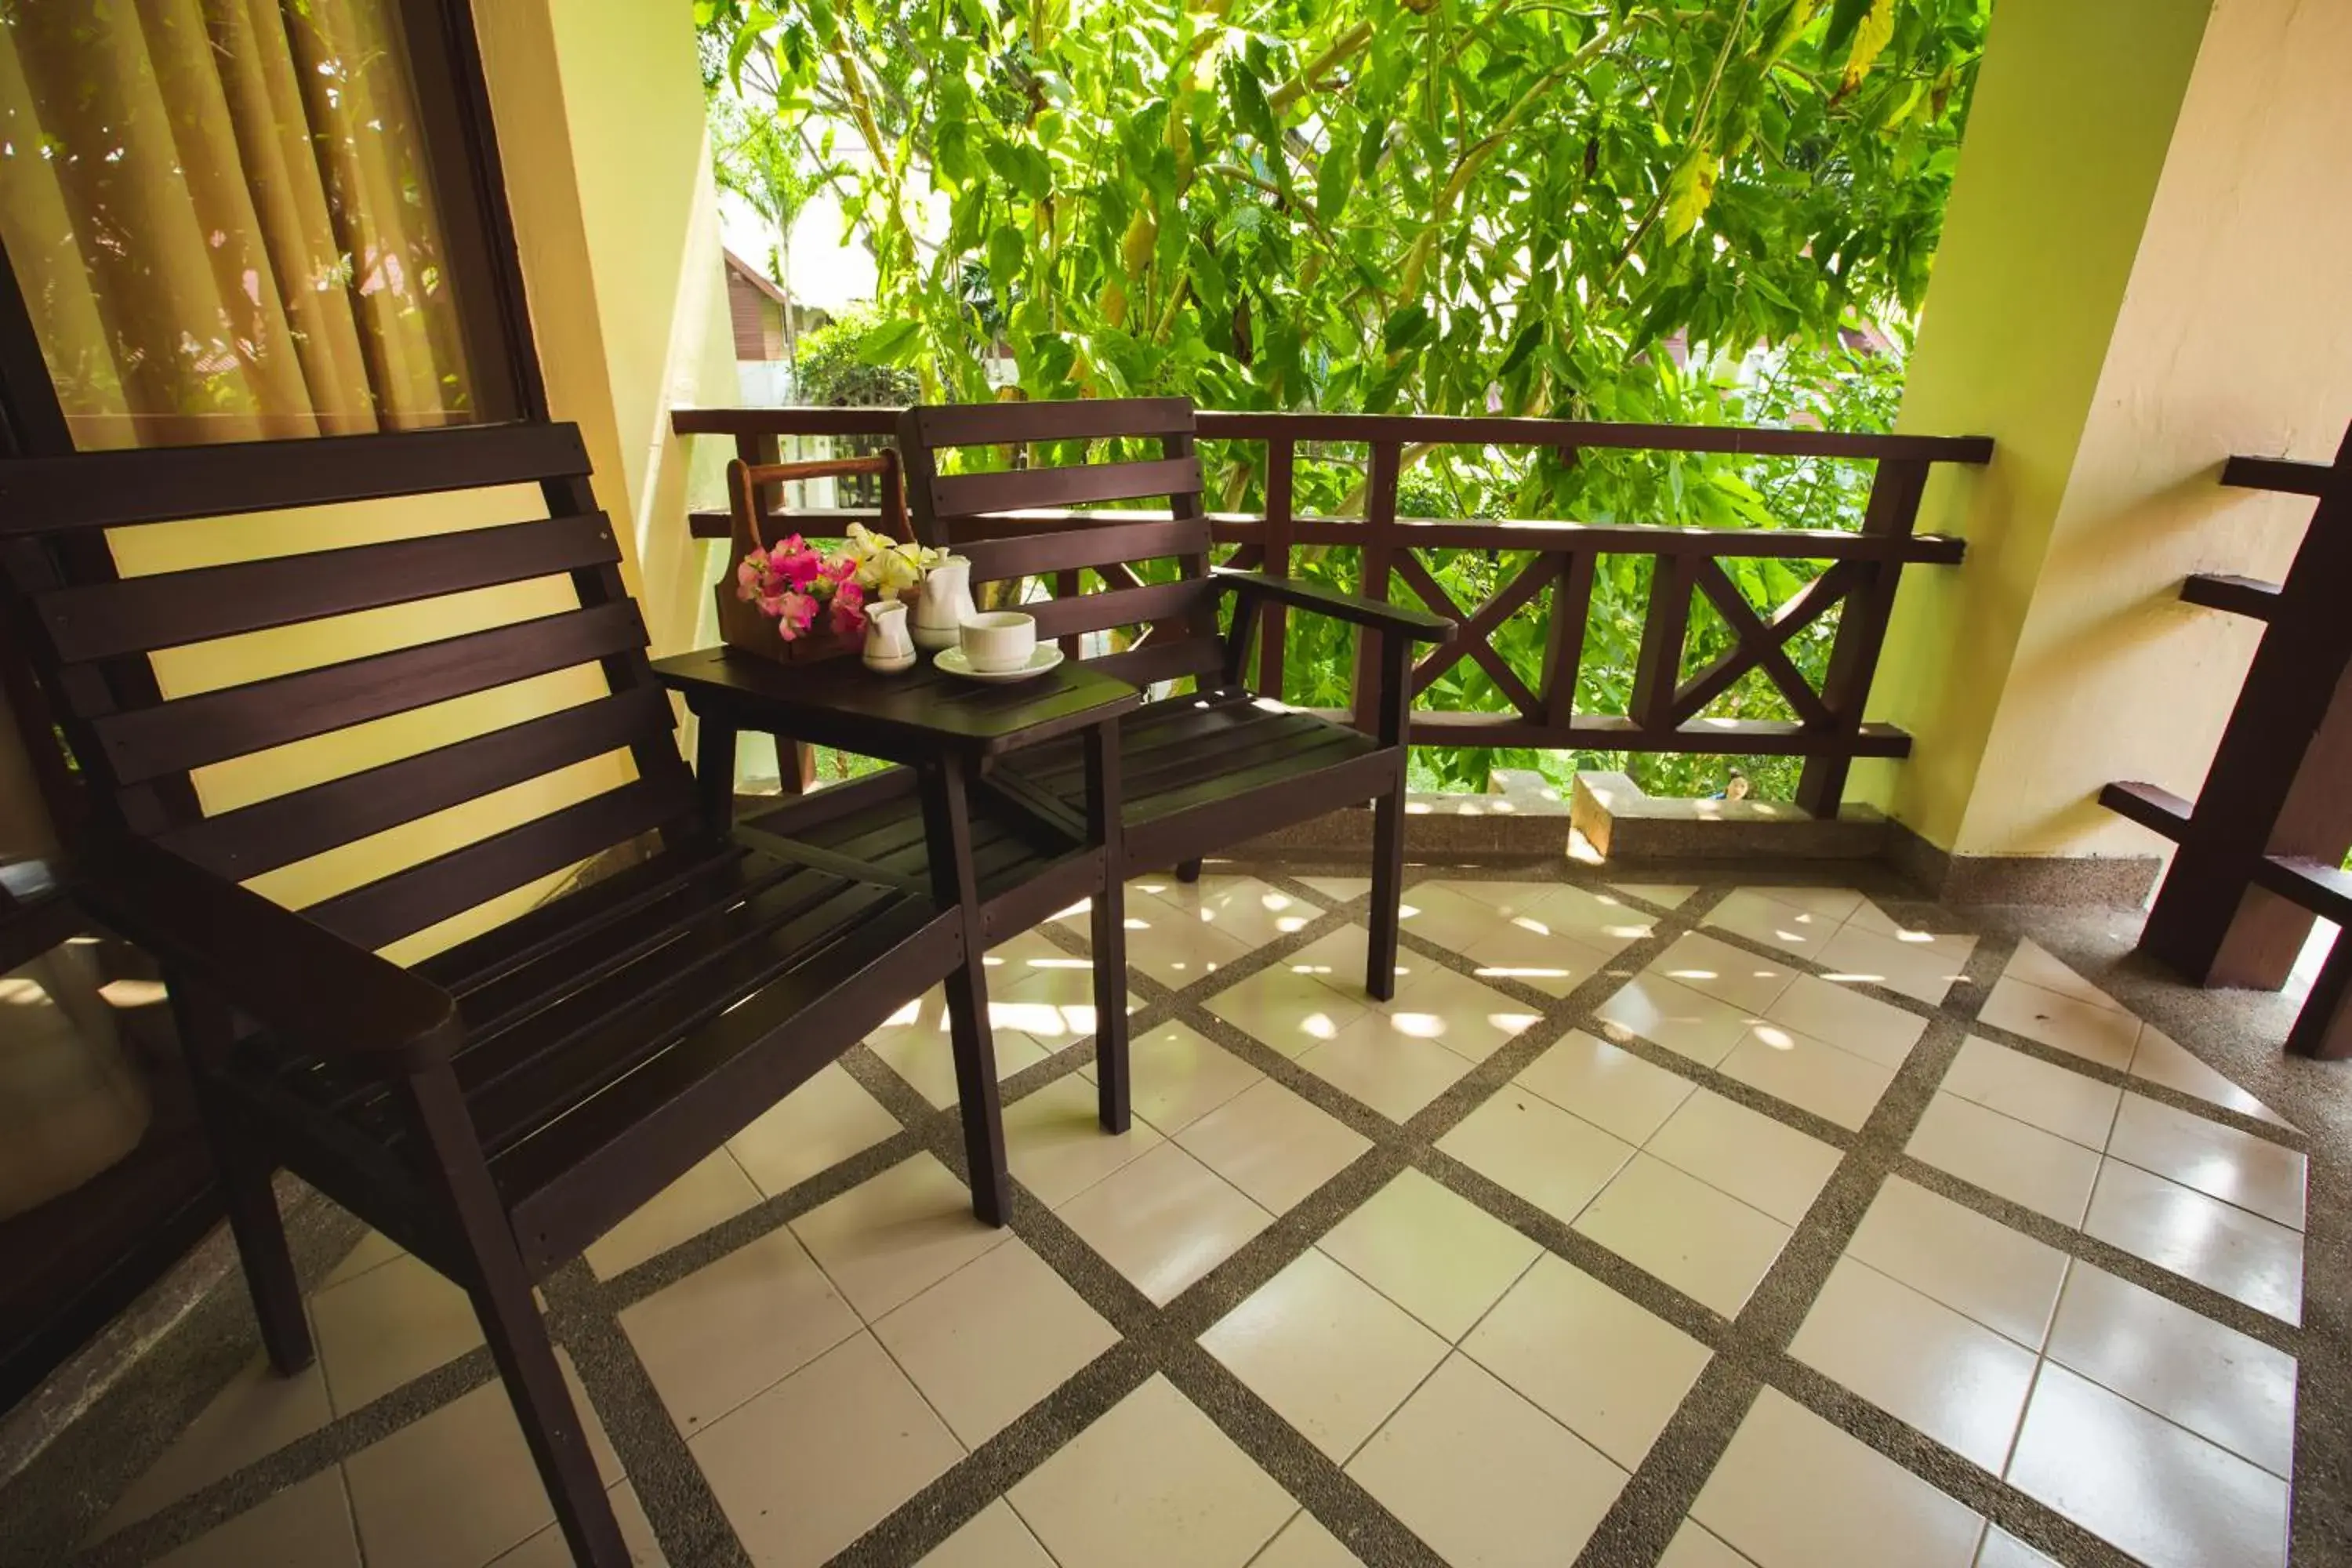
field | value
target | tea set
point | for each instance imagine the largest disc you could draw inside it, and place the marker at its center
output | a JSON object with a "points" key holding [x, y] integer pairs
{"points": [[993, 645]]}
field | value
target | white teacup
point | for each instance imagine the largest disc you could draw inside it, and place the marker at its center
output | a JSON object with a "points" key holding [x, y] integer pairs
{"points": [[998, 641]]}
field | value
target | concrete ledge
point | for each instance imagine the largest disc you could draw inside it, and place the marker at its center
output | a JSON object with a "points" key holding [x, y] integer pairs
{"points": [[2099, 881], [1623, 823]]}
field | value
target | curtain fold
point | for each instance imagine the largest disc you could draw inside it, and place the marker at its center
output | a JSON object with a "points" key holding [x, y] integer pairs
{"points": [[221, 217]]}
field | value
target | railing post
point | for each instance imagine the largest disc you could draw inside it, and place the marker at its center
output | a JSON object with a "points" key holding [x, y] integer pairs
{"points": [[1380, 543], [1274, 623], [1664, 621], [1892, 511], [1571, 605]]}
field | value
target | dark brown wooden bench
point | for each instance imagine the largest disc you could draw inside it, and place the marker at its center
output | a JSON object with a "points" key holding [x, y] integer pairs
{"points": [[500, 1105], [1198, 772]]}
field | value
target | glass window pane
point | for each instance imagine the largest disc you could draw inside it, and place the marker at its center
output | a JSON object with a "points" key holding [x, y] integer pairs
{"points": [[223, 219]]}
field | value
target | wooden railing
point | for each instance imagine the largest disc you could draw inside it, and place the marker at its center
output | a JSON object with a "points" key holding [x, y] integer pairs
{"points": [[2261, 848], [1665, 713]]}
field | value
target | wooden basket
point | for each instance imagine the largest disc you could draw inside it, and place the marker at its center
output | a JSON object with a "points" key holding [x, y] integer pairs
{"points": [[753, 527]]}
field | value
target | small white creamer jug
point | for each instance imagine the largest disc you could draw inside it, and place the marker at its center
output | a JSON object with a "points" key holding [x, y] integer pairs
{"points": [[946, 604], [888, 647]]}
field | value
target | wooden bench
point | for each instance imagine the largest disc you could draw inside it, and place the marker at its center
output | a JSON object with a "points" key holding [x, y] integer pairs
{"points": [[507, 1099], [1200, 772]]}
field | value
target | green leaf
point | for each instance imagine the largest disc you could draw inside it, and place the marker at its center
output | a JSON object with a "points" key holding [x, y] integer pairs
{"points": [[892, 343], [1004, 253], [1406, 327], [1334, 180], [1842, 21], [1523, 348]]}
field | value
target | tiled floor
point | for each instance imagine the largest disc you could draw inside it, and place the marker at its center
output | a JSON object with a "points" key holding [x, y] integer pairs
{"points": [[1710, 1227]]}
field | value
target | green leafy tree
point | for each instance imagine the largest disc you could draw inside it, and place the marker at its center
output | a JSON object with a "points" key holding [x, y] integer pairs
{"points": [[1714, 212]]}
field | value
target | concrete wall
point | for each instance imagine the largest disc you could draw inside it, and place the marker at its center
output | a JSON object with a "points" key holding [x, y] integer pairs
{"points": [[2142, 275]]}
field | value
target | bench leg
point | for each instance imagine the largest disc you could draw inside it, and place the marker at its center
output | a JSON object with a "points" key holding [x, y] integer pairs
{"points": [[1109, 929], [245, 1173], [2324, 1028], [1188, 870], [500, 1289], [947, 826], [1387, 892]]}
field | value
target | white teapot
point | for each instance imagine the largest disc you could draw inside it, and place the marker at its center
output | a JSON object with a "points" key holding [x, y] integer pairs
{"points": [[945, 604]]}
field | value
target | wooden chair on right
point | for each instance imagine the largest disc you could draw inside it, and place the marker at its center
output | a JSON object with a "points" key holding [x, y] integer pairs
{"points": [[1197, 773]]}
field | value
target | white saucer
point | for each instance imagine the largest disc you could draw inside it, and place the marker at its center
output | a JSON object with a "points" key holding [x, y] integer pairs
{"points": [[1045, 657]]}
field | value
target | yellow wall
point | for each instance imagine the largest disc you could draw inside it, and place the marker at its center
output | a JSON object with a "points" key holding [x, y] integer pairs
{"points": [[2074, 107], [2145, 274]]}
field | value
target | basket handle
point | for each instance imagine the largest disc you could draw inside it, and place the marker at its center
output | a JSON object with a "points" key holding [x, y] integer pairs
{"points": [[745, 480]]}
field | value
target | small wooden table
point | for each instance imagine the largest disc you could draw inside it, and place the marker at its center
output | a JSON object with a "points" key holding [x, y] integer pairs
{"points": [[947, 820]]}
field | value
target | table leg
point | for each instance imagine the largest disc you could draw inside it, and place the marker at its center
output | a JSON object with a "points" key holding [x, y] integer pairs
{"points": [[1109, 932], [955, 884]]}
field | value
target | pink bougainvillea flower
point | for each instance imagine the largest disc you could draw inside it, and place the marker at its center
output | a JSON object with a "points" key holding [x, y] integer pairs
{"points": [[802, 569], [748, 574], [795, 613]]}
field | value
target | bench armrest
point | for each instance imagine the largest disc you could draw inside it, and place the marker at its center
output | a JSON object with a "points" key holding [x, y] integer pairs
{"points": [[1418, 625], [291, 974]]}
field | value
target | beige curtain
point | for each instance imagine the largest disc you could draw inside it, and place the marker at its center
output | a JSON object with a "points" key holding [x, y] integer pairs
{"points": [[220, 214]]}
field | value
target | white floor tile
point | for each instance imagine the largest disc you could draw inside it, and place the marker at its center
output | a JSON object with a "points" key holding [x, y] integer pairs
{"points": [[1838, 904], [1729, 974], [713, 1190], [1606, 1085], [1763, 1163], [548, 1549], [2024, 1164], [1472, 1020], [1694, 1546], [1845, 1017], [1533, 954], [993, 1339], [995, 1538], [372, 1250], [255, 1416], [1333, 1356], [896, 1236], [1340, 889], [1837, 1086], [1053, 1008], [1433, 1253], [1152, 1482], [1056, 1145], [1600, 920], [1925, 969], [914, 1043], [1922, 1363], [1241, 907], [2005, 1280], [735, 1328], [1289, 1012], [2040, 1094], [1793, 1492], [459, 1486], [1305, 1544], [308, 1525], [1164, 1220], [1526, 1143], [387, 1326], [1273, 1145], [1665, 895], [1484, 1477], [1702, 1241], [1589, 1358], [2161, 1493], [2002, 1550], [1667, 1014], [814, 1128], [2219, 1161], [2240, 1255], [1179, 1074], [1747, 913], [1395, 1072], [2162, 1059], [2086, 1029], [1338, 958], [825, 1456], [1173, 948], [2033, 964], [2212, 1379]]}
